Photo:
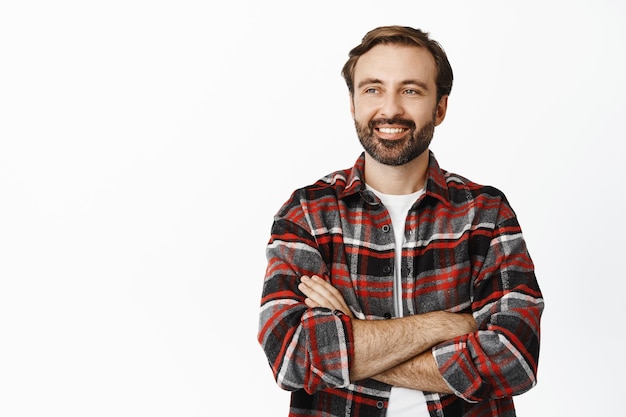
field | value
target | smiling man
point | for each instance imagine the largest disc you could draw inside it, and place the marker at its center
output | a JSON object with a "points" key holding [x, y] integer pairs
{"points": [[395, 288], [395, 95]]}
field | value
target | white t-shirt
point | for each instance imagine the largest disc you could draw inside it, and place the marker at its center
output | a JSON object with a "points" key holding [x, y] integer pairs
{"points": [[403, 402]]}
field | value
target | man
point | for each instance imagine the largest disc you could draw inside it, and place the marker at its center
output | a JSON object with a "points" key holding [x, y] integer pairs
{"points": [[395, 288]]}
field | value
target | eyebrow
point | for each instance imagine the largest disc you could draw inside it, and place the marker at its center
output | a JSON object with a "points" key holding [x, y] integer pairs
{"points": [[418, 83]]}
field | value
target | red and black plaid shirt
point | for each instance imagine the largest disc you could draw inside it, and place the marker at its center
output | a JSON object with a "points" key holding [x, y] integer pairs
{"points": [[463, 252]]}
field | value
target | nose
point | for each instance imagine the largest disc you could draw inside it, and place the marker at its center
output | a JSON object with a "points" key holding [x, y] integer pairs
{"points": [[391, 106]]}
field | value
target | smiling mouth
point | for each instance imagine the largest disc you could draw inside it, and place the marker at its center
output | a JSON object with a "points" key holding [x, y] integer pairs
{"points": [[391, 133], [391, 130]]}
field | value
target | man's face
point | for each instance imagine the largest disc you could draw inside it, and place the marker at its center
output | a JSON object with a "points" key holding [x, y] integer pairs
{"points": [[394, 105]]}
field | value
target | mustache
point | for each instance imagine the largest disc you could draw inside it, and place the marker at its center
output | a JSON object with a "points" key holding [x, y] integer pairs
{"points": [[409, 124]]}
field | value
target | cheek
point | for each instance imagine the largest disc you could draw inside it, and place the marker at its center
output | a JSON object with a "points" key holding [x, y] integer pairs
{"points": [[423, 116], [363, 113]]}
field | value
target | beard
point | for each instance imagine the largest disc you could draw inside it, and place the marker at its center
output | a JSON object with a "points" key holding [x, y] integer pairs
{"points": [[395, 152]]}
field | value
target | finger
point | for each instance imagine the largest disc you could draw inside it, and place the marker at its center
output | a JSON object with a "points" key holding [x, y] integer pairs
{"points": [[323, 288], [313, 295], [320, 299], [328, 292], [322, 294], [318, 295], [310, 303], [306, 290]]}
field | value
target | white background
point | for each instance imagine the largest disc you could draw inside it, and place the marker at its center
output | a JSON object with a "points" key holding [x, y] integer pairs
{"points": [[145, 146]]}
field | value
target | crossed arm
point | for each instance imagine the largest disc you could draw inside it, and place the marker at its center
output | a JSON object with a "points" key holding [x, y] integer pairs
{"points": [[396, 352]]}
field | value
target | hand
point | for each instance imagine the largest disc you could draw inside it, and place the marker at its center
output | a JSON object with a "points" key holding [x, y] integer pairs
{"points": [[321, 293]]}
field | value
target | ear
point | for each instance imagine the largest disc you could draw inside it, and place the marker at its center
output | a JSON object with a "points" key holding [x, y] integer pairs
{"points": [[442, 107]]}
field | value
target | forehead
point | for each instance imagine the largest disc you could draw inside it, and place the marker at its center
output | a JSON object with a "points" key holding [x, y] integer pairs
{"points": [[396, 63]]}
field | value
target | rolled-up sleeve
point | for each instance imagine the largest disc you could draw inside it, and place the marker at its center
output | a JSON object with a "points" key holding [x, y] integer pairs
{"points": [[306, 348], [500, 359]]}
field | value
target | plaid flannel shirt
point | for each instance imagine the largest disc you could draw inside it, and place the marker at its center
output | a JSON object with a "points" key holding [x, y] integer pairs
{"points": [[463, 252]]}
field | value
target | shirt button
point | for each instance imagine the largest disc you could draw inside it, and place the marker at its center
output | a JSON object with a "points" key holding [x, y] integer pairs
{"points": [[386, 228], [387, 315], [380, 405], [387, 269]]}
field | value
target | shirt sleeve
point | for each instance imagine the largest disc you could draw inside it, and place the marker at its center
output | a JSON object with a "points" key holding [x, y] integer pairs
{"points": [[306, 348], [500, 359]]}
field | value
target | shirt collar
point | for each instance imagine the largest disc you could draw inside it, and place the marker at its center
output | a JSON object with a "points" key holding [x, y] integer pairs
{"points": [[436, 185]]}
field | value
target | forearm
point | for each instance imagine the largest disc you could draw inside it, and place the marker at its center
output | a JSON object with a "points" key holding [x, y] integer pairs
{"points": [[312, 355], [380, 345], [500, 359], [420, 373], [306, 348], [390, 348]]}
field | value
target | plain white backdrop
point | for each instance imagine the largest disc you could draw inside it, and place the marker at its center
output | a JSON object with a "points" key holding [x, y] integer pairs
{"points": [[145, 146]]}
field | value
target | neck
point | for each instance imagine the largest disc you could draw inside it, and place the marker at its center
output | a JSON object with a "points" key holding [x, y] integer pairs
{"points": [[403, 179]]}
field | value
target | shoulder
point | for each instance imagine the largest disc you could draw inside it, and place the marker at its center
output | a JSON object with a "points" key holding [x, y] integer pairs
{"points": [[457, 190], [321, 194], [486, 201], [461, 188], [338, 184]]}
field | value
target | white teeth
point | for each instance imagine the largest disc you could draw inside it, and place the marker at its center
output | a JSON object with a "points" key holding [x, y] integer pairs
{"points": [[391, 130]]}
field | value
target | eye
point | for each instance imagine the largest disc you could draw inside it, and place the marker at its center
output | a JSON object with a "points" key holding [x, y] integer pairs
{"points": [[412, 92], [371, 90]]}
